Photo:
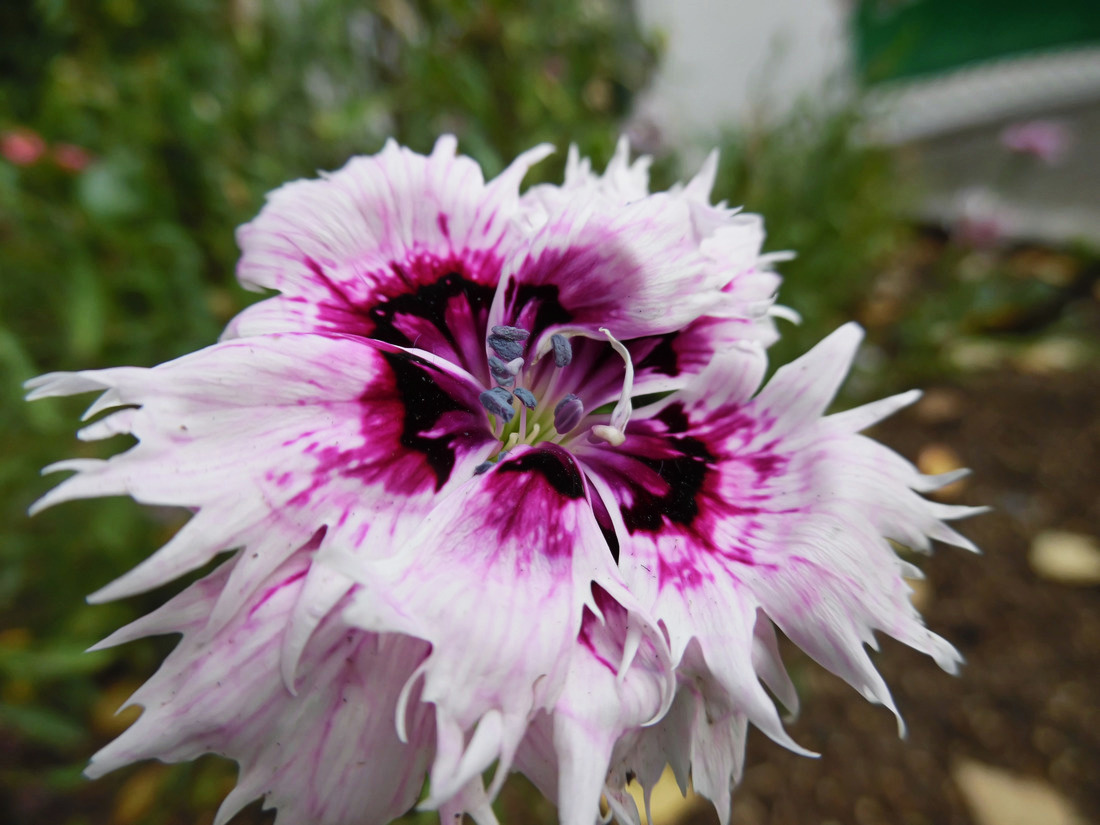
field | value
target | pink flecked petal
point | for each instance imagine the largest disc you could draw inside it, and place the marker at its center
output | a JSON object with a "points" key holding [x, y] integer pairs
{"points": [[725, 244], [801, 390], [733, 512], [270, 439], [624, 181], [768, 664], [635, 269], [568, 752], [717, 753], [397, 246], [598, 705], [496, 579], [328, 755]]}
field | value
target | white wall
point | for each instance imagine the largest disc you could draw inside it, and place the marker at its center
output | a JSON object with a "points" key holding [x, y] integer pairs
{"points": [[739, 61]]}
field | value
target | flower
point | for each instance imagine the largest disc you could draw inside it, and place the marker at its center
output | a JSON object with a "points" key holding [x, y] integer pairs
{"points": [[22, 147], [71, 158], [982, 220], [500, 488], [1046, 140]]}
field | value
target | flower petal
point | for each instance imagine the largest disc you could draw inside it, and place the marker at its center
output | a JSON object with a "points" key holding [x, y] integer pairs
{"points": [[496, 579], [622, 182], [723, 505], [599, 704], [270, 439], [398, 246], [635, 269], [568, 752], [608, 249], [329, 755]]}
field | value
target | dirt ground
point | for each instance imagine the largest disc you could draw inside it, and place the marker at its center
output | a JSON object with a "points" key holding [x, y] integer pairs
{"points": [[1028, 699]]}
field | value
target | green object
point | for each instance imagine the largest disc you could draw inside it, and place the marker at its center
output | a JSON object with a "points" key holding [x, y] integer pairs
{"points": [[901, 40]]}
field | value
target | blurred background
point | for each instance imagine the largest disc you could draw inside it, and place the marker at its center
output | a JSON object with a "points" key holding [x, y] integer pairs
{"points": [[933, 162]]}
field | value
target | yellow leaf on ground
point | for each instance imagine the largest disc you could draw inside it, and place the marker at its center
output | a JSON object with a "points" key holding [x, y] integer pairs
{"points": [[1067, 558], [998, 797]]}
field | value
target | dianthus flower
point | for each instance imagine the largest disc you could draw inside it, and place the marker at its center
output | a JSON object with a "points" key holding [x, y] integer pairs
{"points": [[500, 488]]}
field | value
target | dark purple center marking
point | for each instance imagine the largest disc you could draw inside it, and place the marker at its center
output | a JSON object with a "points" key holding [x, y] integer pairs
{"points": [[433, 303], [425, 403], [534, 307], [682, 472], [413, 422], [661, 357], [555, 465], [439, 304], [690, 479], [524, 499]]}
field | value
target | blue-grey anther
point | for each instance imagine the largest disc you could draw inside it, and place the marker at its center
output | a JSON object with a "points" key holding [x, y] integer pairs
{"points": [[568, 413], [501, 372], [498, 401], [563, 351], [507, 350], [507, 342], [482, 467], [510, 333], [526, 397]]}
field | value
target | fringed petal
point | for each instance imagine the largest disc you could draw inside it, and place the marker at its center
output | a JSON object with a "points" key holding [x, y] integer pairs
{"points": [[398, 246], [734, 512], [496, 579], [328, 754], [270, 440]]}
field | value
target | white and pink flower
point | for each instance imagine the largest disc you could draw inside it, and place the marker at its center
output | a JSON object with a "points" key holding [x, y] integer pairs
{"points": [[501, 488], [1048, 141]]}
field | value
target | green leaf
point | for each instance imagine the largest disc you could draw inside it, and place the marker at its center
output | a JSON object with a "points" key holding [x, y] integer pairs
{"points": [[42, 725]]}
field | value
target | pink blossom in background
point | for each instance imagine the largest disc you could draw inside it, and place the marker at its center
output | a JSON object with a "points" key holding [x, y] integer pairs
{"points": [[503, 485], [22, 147], [982, 221], [1045, 140], [70, 157]]}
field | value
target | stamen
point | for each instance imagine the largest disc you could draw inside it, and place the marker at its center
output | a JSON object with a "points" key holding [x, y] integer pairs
{"points": [[507, 342], [505, 373], [614, 432], [505, 349], [498, 401], [484, 466], [526, 397], [568, 413], [510, 333], [563, 350]]}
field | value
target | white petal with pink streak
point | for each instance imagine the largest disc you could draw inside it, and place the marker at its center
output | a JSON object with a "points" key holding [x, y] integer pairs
{"points": [[787, 524], [271, 440], [327, 755], [497, 580], [353, 235]]}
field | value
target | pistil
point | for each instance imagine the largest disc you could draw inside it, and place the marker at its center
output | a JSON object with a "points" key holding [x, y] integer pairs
{"points": [[614, 432]]}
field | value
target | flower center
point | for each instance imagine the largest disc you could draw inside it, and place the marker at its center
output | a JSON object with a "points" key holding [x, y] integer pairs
{"points": [[526, 405]]}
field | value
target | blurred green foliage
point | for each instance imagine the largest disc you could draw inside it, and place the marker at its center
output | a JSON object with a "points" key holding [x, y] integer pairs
{"points": [[838, 205]]}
